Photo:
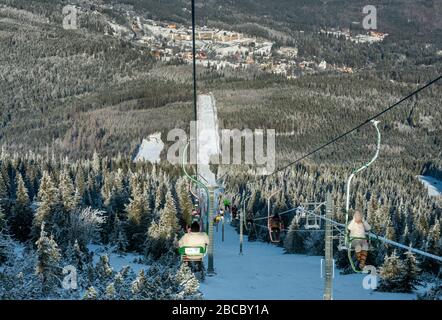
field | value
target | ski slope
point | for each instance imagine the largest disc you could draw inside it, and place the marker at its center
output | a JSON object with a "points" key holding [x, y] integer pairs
{"points": [[265, 272], [150, 149], [433, 185], [208, 137]]}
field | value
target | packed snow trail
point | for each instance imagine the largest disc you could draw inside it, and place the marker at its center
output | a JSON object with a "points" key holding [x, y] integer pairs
{"points": [[208, 137], [265, 272]]}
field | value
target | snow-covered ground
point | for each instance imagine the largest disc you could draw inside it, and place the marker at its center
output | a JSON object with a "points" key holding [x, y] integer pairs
{"points": [[150, 148], [118, 261], [265, 272], [433, 185]]}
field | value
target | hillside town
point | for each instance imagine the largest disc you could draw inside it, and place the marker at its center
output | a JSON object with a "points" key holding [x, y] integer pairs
{"points": [[218, 49]]}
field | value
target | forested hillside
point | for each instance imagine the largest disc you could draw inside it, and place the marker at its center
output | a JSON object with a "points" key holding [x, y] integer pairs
{"points": [[81, 90]]}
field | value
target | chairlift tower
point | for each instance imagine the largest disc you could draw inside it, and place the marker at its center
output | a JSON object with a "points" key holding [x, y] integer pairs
{"points": [[329, 261], [211, 215]]}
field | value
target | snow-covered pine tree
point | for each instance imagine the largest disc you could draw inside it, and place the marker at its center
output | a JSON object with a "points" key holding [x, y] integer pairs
{"points": [[21, 217], [392, 272], [118, 238], [6, 246], [294, 241], [140, 287], [2, 218], [80, 184], [188, 283], [103, 270], [109, 292], [138, 217], [4, 195], [160, 197], [185, 202], [433, 244], [75, 256], [162, 234], [69, 197], [49, 206], [410, 277], [90, 294], [48, 258], [123, 283]]}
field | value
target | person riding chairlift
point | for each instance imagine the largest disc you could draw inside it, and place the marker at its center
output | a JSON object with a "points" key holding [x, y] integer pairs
{"points": [[234, 212], [358, 228], [250, 221], [275, 227], [227, 204], [194, 239]]}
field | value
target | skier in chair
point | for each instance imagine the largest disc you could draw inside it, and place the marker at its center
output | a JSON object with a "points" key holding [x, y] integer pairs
{"points": [[234, 212], [193, 245], [275, 227], [358, 228]]}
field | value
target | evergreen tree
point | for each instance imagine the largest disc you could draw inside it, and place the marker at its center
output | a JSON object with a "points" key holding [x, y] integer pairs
{"points": [[21, 220], [4, 194], [48, 258], [188, 284], [103, 269], [392, 272], [433, 245], [123, 283], [6, 247], [80, 184], [110, 292], [137, 217], [49, 207], [185, 203], [160, 197], [162, 234], [294, 241], [118, 238], [75, 256], [90, 294], [69, 197], [410, 278], [140, 287], [2, 219]]}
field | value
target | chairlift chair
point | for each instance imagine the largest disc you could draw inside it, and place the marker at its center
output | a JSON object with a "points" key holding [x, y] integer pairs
{"points": [[342, 245], [312, 222]]}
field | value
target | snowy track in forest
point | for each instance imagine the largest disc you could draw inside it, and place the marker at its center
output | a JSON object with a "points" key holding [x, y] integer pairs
{"points": [[265, 272], [208, 136]]}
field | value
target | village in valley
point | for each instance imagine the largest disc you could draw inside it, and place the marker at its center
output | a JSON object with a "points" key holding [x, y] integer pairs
{"points": [[222, 49]]}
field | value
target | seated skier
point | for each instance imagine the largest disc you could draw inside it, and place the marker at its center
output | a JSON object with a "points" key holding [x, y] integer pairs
{"points": [[358, 228], [250, 222], [275, 227], [227, 204], [194, 239], [234, 212]]}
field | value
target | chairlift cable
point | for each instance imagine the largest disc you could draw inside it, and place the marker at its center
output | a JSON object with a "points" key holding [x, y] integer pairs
{"points": [[357, 127]]}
